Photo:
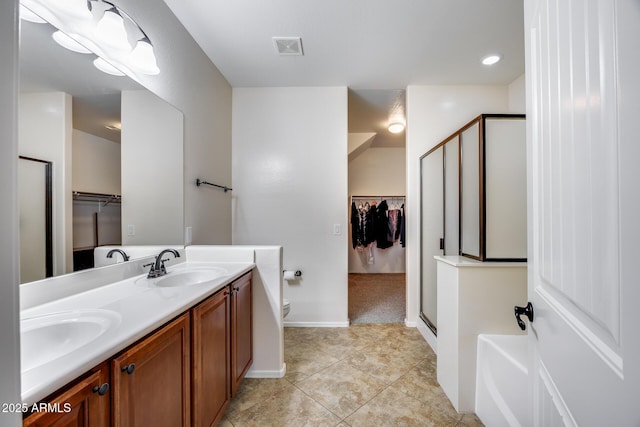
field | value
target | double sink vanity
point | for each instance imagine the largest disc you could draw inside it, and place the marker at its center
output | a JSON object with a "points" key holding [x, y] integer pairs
{"points": [[167, 350]]}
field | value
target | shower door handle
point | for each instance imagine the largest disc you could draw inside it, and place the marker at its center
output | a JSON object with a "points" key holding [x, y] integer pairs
{"points": [[527, 311]]}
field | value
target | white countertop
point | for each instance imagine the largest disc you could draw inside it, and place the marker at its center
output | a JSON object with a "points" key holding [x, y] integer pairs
{"points": [[136, 309], [461, 261]]}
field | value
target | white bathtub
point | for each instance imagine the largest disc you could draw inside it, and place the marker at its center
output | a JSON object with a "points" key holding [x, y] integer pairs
{"points": [[501, 381]]}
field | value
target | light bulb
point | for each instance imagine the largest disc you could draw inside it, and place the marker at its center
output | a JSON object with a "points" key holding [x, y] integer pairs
{"points": [[491, 59], [144, 58], [69, 43], [110, 30], [73, 8], [396, 127], [105, 67]]}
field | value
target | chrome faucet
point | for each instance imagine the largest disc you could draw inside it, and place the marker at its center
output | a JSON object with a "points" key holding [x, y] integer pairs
{"points": [[120, 251], [157, 268]]}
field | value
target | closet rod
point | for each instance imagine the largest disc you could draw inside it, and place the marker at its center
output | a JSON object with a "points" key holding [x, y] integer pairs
{"points": [[83, 196], [377, 197], [222, 187]]}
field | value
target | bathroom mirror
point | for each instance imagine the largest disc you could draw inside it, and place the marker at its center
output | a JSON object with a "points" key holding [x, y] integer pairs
{"points": [[64, 105]]}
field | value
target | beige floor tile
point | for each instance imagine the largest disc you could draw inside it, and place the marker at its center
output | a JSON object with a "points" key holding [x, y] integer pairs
{"points": [[393, 408], [416, 385], [418, 381], [253, 391], [470, 420], [288, 407], [341, 388], [363, 375], [304, 360]]}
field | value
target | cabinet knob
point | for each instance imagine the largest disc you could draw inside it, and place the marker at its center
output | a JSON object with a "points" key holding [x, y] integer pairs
{"points": [[129, 368], [102, 389]]}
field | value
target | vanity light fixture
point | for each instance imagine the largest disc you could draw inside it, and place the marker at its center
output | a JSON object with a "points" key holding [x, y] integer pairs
{"points": [[103, 28], [110, 30], [491, 59], [396, 127], [107, 68], [28, 15], [68, 43]]}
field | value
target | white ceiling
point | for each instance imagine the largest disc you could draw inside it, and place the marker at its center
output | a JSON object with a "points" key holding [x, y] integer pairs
{"points": [[367, 45]]}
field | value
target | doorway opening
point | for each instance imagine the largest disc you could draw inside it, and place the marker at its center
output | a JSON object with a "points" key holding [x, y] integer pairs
{"points": [[377, 189]]}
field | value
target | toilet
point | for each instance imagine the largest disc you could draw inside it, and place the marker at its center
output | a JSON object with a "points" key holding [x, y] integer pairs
{"points": [[285, 307]]}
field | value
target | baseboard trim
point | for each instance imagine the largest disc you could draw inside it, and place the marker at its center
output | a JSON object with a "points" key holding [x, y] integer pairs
{"points": [[316, 324], [267, 374], [428, 335], [410, 324]]}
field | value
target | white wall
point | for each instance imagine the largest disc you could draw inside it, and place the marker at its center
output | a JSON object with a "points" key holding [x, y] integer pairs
{"points": [[290, 188], [191, 82], [378, 171], [433, 113], [45, 133], [152, 170], [9, 313], [96, 164], [517, 96]]}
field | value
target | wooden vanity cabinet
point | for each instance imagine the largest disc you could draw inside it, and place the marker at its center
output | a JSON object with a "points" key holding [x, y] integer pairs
{"points": [[151, 379], [222, 349], [85, 403], [211, 359], [241, 330], [183, 374]]}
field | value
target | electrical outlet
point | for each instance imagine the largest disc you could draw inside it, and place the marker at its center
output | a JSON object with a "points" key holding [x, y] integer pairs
{"points": [[131, 230]]}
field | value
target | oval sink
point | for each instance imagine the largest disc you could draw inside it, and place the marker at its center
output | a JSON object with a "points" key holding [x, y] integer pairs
{"points": [[48, 337], [190, 277]]}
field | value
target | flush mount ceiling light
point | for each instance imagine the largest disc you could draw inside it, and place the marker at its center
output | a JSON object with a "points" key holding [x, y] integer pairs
{"points": [[103, 28], [288, 45], [491, 59], [396, 127]]}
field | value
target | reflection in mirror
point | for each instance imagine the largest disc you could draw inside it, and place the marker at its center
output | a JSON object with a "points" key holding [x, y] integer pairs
{"points": [[115, 149]]}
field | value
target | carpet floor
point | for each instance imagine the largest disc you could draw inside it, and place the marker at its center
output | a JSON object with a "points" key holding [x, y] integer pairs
{"points": [[377, 298]]}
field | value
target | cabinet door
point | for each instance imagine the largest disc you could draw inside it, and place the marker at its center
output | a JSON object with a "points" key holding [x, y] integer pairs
{"points": [[85, 403], [241, 330], [151, 379], [211, 351]]}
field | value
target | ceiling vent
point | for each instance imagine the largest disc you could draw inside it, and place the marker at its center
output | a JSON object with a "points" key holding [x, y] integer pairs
{"points": [[288, 45]]}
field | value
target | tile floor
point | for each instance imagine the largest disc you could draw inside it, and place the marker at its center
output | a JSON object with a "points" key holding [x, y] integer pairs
{"points": [[364, 375]]}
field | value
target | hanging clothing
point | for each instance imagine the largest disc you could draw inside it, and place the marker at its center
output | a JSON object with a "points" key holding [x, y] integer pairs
{"points": [[382, 226], [392, 225], [362, 225]]}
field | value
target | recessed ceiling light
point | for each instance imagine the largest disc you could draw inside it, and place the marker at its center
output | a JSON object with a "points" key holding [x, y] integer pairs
{"points": [[115, 126], [491, 59]]}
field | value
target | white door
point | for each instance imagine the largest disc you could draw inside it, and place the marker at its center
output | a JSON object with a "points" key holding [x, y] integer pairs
{"points": [[583, 136]]}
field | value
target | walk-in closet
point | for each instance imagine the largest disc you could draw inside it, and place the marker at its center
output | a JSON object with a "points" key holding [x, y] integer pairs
{"points": [[377, 189]]}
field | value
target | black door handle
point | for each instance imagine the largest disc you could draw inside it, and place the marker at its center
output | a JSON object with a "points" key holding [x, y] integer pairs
{"points": [[527, 311]]}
